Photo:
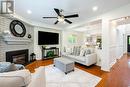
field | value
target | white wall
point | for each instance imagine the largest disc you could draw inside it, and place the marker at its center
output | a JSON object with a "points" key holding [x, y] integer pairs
{"points": [[121, 41], [127, 32], [33, 46], [118, 42], [37, 48], [4, 26], [123, 31], [107, 47], [66, 33], [108, 36], [94, 29]]}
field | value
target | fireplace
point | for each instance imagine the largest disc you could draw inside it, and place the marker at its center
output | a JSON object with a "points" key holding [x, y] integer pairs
{"points": [[17, 57]]}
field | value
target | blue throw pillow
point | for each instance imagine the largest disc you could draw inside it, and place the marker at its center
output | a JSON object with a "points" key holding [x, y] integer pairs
{"points": [[5, 67]]}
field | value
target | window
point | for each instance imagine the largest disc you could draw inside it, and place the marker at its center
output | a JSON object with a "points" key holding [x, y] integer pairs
{"points": [[72, 39]]}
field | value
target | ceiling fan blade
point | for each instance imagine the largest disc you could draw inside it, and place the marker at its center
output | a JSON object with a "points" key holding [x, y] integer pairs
{"points": [[49, 17], [56, 22], [71, 16], [57, 11], [68, 21]]}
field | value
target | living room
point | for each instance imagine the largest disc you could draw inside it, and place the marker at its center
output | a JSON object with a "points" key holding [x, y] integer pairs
{"points": [[64, 41]]}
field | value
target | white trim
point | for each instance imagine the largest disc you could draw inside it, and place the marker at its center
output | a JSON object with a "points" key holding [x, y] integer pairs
{"points": [[113, 63], [16, 40], [105, 69], [30, 22]]}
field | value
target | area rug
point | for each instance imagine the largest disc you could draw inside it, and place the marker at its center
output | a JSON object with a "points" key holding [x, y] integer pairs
{"points": [[78, 78]]}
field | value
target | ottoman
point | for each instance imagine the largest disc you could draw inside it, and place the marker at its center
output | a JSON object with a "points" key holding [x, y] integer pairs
{"points": [[64, 64]]}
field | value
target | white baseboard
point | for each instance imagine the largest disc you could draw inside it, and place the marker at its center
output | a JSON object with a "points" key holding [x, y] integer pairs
{"points": [[105, 69], [113, 63], [98, 64]]}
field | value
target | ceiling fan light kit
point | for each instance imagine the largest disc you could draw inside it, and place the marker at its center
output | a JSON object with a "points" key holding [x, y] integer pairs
{"points": [[61, 17]]}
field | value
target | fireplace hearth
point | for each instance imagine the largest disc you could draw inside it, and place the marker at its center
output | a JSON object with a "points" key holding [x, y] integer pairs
{"points": [[17, 57]]}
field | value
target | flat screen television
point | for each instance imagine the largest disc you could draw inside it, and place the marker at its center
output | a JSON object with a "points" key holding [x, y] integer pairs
{"points": [[48, 38]]}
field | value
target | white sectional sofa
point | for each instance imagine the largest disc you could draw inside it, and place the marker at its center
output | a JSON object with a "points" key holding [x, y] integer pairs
{"points": [[87, 59], [38, 78], [23, 78]]}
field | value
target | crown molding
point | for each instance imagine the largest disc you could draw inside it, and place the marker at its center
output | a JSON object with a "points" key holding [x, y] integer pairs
{"points": [[30, 22]]}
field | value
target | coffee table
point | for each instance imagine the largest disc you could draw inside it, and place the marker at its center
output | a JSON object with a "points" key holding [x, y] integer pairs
{"points": [[64, 64]]}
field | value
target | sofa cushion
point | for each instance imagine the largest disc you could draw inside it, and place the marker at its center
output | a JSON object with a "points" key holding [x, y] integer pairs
{"points": [[71, 56], [18, 78], [5, 66], [77, 58], [80, 58]]}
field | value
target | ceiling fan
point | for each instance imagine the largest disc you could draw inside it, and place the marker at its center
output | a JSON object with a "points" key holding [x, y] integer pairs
{"points": [[61, 17]]}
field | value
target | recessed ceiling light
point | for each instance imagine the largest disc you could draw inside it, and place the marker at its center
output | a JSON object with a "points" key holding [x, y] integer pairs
{"points": [[95, 8], [29, 11]]}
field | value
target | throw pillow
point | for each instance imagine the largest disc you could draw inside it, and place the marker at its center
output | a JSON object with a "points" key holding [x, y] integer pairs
{"points": [[88, 51], [68, 50], [74, 51], [91, 49], [78, 50], [5, 67], [19, 66], [82, 52], [12, 67]]}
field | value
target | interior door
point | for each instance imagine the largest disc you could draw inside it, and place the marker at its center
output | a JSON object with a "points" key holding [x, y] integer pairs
{"points": [[128, 43]]}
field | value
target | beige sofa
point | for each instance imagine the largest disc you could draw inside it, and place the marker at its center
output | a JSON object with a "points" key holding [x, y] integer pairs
{"points": [[23, 78]]}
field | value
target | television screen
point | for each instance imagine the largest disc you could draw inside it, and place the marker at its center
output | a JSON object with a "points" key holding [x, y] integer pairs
{"points": [[48, 38]]}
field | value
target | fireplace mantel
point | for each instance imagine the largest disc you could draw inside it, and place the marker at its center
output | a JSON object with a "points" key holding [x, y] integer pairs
{"points": [[16, 40]]}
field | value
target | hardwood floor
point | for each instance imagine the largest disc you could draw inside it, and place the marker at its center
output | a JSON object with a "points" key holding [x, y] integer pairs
{"points": [[119, 75]]}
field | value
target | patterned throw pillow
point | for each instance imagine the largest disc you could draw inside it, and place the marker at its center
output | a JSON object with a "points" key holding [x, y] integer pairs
{"points": [[74, 50], [78, 50], [19, 66], [91, 49], [82, 52], [88, 51], [5, 67]]}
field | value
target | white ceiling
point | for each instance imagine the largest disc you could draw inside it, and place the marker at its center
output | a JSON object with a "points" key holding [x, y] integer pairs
{"points": [[42, 8], [91, 26]]}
